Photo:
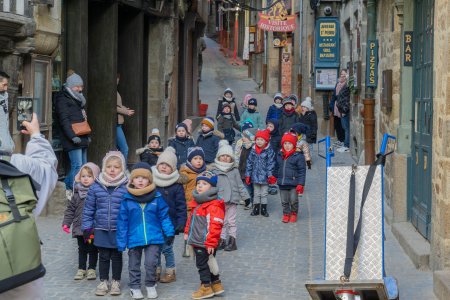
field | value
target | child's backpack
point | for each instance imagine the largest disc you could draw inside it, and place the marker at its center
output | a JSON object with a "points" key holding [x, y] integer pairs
{"points": [[20, 250]]}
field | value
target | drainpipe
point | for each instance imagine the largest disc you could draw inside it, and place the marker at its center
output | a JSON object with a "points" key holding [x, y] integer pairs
{"points": [[369, 101]]}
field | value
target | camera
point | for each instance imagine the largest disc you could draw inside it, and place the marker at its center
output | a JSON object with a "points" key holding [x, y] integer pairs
{"points": [[327, 10]]}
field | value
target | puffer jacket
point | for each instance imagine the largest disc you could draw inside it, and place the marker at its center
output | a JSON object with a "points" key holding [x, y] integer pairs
{"points": [[174, 197], [274, 113], [204, 225], [148, 155], [231, 187], [286, 121], [234, 108], [262, 166], [181, 148], [275, 137], [190, 178], [74, 212], [310, 119], [101, 208], [209, 142], [291, 171], [141, 224]]}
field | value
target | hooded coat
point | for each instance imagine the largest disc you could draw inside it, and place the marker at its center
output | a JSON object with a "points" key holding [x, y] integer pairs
{"points": [[310, 119], [275, 137]]}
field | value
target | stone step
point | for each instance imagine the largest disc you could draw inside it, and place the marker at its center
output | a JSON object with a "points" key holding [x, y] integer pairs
{"points": [[441, 284], [414, 245]]}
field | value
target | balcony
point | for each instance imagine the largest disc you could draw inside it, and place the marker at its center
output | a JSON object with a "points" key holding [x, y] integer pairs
{"points": [[16, 26], [16, 7]]}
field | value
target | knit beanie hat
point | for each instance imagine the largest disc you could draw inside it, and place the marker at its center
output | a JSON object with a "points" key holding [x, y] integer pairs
{"points": [[208, 121], [225, 149], [294, 99], [307, 103], [288, 100], [154, 136], [209, 177], [225, 104], [253, 101], [182, 125], [74, 80], [188, 123], [111, 154], [264, 134], [228, 90], [168, 157], [250, 133], [141, 169], [246, 125], [278, 96], [289, 137], [93, 167], [194, 151]]}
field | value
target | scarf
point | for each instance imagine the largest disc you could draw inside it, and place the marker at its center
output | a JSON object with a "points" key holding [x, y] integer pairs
{"points": [[290, 111], [190, 166], [223, 166], [229, 100], [226, 115], [107, 181], [81, 190], [259, 150], [77, 96], [207, 134], [148, 194], [164, 180], [207, 196], [286, 154], [251, 111], [278, 105], [339, 86]]}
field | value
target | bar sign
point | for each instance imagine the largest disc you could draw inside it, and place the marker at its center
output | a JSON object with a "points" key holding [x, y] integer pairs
{"points": [[407, 49]]}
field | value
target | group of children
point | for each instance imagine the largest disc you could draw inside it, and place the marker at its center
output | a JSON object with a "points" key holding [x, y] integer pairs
{"points": [[190, 188]]}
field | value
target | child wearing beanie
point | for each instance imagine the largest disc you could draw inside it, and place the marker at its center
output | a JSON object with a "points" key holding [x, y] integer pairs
{"points": [[226, 123], [72, 216], [152, 150], [302, 146], [202, 232], [181, 142], [291, 176], [276, 108], [229, 100], [260, 170], [100, 212], [169, 185], [207, 140], [231, 190], [308, 116], [143, 225], [252, 114], [289, 116]]}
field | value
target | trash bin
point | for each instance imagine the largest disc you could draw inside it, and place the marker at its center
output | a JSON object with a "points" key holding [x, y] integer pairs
{"points": [[202, 109]]}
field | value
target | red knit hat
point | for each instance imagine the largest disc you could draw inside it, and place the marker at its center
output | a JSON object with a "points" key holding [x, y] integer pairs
{"points": [[289, 137], [264, 134]]}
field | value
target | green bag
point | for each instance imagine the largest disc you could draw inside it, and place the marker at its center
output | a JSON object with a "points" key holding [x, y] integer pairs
{"points": [[20, 246]]}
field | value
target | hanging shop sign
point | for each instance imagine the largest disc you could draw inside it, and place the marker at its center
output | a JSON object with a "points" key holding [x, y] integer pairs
{"points": [[279, 39], [372, 63], [286, 69], [327, 42], [407, 49], [277, 19]]}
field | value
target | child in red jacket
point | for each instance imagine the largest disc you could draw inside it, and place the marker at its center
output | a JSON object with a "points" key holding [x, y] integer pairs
{"points": [[202, 232]]}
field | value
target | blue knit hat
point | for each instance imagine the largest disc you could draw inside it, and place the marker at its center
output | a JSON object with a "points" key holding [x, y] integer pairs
{"points": [[194, 151], [252, 101], [209, 177], [246, 125]]}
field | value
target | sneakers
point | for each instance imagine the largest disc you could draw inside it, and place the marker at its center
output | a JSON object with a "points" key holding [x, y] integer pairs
{"points": [[217, 287], [151, 292], [91, 274], [293, 217], [285, 218], [80, 275], [102, 288], [338, 143], [136, 294], [169, 276], [343, 149], [115, 288], [203, 292]]}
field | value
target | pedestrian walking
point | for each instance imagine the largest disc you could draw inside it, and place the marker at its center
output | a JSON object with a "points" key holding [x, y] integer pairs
{"points": [[288, 117], [69, 107], [143, 226], [170, 186], [260, 170], [73, 217], [201, 47], [226, 123], [202, 232], [308, 117], [181, 142], [208, 140], [99, 222], [228, 98], [291, 177], [342, 108], [252, 114], [231, 191], [276, 108], [122, 111], [152, 150], [242, 150]]}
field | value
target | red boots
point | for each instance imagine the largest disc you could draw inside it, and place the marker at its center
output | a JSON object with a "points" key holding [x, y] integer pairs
{"points": [[292, 217], [286, 218]]}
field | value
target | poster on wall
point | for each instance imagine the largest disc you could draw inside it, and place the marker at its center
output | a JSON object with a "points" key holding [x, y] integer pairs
{"points": [[326, 79], [286, 70]]}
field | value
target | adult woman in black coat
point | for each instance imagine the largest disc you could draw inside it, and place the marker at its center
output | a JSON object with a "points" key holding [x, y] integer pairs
{"points": [[69, 109]]}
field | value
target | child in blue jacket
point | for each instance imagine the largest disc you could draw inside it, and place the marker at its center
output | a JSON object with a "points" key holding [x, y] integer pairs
{"points": [[143, 225], [181, 142], [276, 108], [207, 140]]}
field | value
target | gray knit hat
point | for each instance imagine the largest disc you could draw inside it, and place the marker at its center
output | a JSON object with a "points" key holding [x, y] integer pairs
{"points": [[74, 80], [168, 157]]}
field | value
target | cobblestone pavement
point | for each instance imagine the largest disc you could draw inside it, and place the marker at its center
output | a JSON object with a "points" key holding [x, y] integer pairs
{"points": [[273, 259]]}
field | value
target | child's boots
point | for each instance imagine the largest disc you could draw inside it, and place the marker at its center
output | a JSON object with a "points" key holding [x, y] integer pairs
{"points": [[293, 217], [231, 246], [264, 210], [169, 276], [203, 292], [255, 211], [286, 218], [217, 287], [222, 244]]}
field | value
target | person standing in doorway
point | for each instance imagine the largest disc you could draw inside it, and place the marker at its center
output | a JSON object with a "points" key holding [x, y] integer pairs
{"points": [[342, 109], [121, 140], [201, 48]]}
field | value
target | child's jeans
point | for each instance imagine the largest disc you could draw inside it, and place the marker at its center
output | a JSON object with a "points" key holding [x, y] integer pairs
{"points": [[260, 191], [107, 257], [168, 255], [201, 261], [151, 253], [229, 225], [289, 201], [83, 250]]}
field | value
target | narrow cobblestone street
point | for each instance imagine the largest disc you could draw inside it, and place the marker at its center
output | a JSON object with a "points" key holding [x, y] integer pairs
{"points": [[273, 259]]}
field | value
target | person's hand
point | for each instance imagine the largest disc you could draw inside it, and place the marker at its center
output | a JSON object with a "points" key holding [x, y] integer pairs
{"points": [[271, 180], [130, 112], [210, 250], [66, 229], [300, 188], [76, 140], [169, 240], [308, 162], [248, 180], [185, 237], [31, 128]]}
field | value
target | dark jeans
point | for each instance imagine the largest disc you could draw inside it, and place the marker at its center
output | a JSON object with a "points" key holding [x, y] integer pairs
{"points": [[107, 257], [201, 261], [340, 133], [151, 253], [345, 122], [83, 250]]}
